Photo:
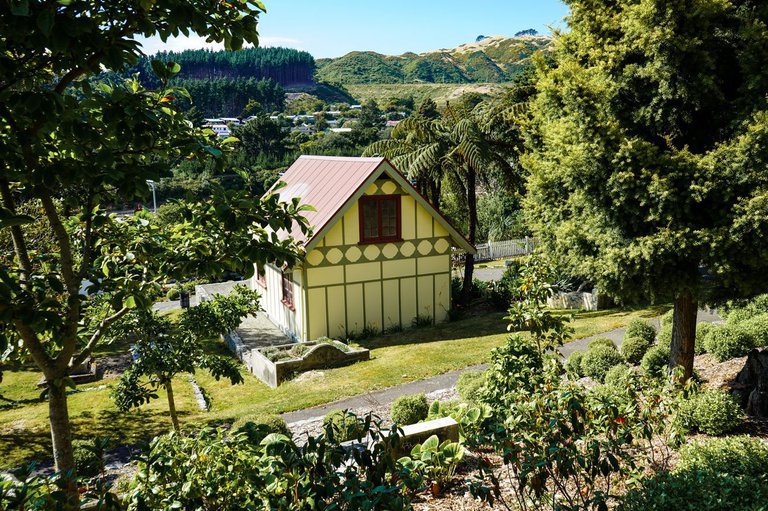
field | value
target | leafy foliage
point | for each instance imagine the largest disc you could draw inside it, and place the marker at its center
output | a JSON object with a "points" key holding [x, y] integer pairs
{"points": [[654, 362], [432, 463], [89, 456], [163, 350], [409, 409], [640, 328], [74, 146], [469, 385], [599, 360], [256, 429], [601, 342], [341, 426], [618, 377], [714, 412], [725, 342], [32, 491], [756, 329], [621, 126], [214, 470], [728, 473], [633, 349], [573, 365]]}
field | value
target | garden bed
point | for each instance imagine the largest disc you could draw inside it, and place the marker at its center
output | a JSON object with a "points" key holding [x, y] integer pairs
{"points": [[276, 364]]}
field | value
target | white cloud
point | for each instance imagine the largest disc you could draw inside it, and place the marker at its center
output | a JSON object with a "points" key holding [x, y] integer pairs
{"points": [[153, 45]]}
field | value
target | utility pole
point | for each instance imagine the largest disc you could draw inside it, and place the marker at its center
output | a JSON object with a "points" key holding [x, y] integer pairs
{"points": [[154, 197]]}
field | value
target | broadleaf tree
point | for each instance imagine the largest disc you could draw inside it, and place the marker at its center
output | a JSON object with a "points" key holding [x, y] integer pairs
{"points": [[648, 140], [70, 146], [163, 350]]}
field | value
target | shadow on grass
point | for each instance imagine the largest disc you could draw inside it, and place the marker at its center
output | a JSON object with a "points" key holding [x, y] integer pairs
{"points": [[35, 446], [475, 326], [491, 323]]}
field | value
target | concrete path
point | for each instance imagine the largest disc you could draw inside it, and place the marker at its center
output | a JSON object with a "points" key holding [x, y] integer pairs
{"points": [[447, 380], [488, 274], [258, 331]]}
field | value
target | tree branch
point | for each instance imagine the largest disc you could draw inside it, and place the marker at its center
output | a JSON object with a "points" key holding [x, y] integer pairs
{"points": [[71, 280], [87, 239], [19, 244], [35, 347], [98, 334]]}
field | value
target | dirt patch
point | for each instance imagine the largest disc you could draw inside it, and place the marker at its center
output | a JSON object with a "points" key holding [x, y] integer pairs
{"points": [[718, 375], [112, 366]]}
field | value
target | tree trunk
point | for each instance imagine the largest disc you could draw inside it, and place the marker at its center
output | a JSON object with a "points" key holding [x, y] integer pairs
{"points": [[469, 262], [434, 190], [683, 334], [172, 405], [61, 437]]}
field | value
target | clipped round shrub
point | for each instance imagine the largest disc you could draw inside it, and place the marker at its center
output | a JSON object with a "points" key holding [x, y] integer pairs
{"points": [[696, 490], [601, 341], [598, 360], [256, 429], [756, 328], [634, 348], [666, 318], [470, 385], [88, 457], [618, 376], [716, 412], [737, 312], [726, 342], [409, 409], [702, 330], [664, 337], [728, 455], [655, 360], [174, 293], [573, 364], [343, 425], [642, 329]]}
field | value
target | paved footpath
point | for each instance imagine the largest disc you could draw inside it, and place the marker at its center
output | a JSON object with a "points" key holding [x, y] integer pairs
{"points": [[445, 381]]}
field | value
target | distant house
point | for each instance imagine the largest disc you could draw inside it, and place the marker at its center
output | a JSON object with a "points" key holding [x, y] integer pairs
{"points": [[379, 256], [221, 130], [392, 124]]}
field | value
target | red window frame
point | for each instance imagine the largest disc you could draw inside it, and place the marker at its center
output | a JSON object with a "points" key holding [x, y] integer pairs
{"points": [[287, 285], [261, 278], [379, 200]]}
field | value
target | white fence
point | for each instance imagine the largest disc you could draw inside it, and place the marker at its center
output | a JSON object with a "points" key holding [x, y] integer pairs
{"points": [[508, 248]]}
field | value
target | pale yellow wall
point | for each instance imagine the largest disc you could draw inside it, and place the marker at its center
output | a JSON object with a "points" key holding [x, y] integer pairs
{"points": [[351, 286]]}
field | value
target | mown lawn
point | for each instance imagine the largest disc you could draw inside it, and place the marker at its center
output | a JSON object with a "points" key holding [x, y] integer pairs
{"points": [[395, 359]]}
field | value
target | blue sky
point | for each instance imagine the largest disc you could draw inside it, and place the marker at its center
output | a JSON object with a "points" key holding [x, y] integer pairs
{"points": [[335, 27]]}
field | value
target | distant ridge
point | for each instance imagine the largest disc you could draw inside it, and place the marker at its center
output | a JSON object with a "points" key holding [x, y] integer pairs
{"points": [[488, 59]]}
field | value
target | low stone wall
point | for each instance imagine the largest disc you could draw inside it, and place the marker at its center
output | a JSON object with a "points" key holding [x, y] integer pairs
{"points": [[580, 301], [446, 428], [321, 356], [236, 346]]}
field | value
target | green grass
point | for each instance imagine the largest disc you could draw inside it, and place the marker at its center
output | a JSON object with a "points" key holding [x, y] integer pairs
{"points": [[395, 359]]}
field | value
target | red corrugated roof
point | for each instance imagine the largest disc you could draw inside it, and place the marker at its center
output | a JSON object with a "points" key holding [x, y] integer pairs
{"points": [[326, 183]]}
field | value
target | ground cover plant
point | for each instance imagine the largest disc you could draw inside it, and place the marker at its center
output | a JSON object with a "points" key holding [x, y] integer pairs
{"points": [[448, 346]]}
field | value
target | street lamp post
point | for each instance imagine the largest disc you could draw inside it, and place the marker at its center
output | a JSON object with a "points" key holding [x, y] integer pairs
{"points": [[154, 197]]}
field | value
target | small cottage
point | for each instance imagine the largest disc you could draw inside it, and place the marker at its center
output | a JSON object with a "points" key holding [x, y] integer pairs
{"points": [[379, 255]]}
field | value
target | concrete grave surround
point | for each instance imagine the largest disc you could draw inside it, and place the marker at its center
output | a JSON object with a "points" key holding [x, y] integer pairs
{"points": [[320, 356]]}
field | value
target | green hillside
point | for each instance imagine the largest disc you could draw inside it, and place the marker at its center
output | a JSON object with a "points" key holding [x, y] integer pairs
{"points": [[492, 60], [440, 93]]}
